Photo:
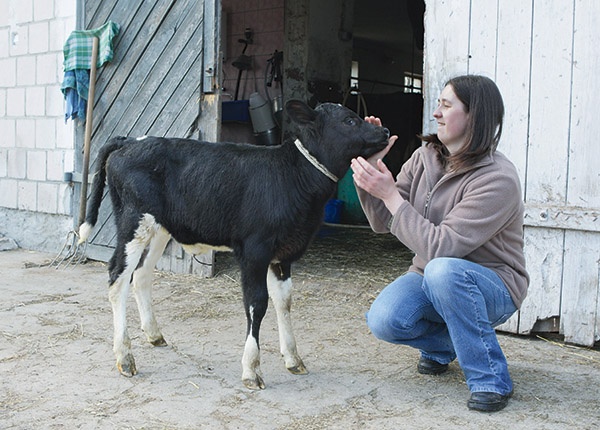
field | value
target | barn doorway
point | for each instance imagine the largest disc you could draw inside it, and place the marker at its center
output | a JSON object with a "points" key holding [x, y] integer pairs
{"points": [[385, 80], [387, 69], [365, 54]]}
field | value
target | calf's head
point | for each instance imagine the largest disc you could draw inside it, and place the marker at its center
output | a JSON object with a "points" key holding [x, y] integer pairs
{"points": [[335, 135]]}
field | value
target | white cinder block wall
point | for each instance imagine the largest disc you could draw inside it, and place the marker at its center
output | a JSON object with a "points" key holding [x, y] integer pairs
{"points": [[36, 146]]}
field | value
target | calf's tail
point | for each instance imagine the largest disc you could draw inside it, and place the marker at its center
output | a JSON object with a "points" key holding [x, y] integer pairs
{"points": [[95, 198]]}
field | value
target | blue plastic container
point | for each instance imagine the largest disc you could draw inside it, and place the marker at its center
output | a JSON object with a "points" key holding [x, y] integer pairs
{"points": [[235, 110], [333, 211]]}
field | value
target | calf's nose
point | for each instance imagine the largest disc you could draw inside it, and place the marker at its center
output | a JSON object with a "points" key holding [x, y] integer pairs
{"points": [[387, 132]]}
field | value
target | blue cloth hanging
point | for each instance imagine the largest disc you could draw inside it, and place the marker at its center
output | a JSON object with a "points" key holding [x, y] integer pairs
{"points": [[75, 88]]}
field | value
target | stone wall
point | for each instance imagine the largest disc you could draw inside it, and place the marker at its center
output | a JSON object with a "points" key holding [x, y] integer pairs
{"points": [[36, 146]]}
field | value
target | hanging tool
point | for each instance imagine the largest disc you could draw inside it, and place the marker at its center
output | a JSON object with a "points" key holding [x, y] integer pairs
{"points": [[243, 62], [72, 252]]}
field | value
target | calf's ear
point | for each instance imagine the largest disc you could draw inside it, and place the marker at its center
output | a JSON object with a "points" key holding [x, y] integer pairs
{"points": [[300, 112]]}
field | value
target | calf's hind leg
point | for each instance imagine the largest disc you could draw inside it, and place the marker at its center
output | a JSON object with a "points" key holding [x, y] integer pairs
{"points": [[124, 262], [117, 294], [142, 287], [279, 283]]}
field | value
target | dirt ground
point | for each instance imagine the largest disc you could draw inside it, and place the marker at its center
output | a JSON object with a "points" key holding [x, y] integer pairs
{"points": [[57, 368]]}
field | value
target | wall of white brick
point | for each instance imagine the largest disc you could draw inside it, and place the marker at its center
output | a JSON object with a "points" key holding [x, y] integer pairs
{"points": [[36, 146]]}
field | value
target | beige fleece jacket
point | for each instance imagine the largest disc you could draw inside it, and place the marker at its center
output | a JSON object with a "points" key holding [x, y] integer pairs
{"points": [[475, 214]]}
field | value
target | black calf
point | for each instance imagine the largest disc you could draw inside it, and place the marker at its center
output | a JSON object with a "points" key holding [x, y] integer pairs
{"points": [[263, 203]]}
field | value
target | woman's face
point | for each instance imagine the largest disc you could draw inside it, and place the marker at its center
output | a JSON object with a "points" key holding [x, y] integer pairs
{"points": [[452, 120]]}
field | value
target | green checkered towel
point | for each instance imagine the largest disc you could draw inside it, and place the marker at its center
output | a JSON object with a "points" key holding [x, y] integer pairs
{"points": [[78, 47]]}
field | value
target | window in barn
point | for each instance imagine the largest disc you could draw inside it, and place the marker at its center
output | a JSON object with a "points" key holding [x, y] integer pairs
{"points": [[354, 75], [413, 83]]}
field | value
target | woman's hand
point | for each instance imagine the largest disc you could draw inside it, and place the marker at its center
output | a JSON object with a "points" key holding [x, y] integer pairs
{"points": [[376, 179], [379, 155]]}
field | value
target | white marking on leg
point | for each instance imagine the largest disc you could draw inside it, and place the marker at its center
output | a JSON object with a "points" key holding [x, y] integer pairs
{"points": [[142, 287], [119, 291], [121, 343], [251, 373], [281, 295]]}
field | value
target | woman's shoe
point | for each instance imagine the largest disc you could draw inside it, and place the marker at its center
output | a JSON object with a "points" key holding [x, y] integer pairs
{"points": [[430, 367], [484, 401]]}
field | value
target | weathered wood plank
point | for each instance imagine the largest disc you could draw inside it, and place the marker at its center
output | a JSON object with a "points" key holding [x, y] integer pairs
{"points": [[483, 37], [512, 77], [580, 287], [97, 12], [187, 113], [550, 105], [562, 217], [544, 254], [446, 51], [182, 108], [546, 167], [584, 152]]}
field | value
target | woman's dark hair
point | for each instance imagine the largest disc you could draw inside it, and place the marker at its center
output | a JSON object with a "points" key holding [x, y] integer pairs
{"points": [[483, 103]]}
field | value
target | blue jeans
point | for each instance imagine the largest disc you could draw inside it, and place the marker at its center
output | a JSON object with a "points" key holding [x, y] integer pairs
{"points": [[449, 313]]}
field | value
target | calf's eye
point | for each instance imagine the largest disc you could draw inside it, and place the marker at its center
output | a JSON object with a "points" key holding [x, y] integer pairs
{"points": [[351, 121]]}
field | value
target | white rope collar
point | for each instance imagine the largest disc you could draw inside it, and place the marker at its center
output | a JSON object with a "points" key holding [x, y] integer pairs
{"points": [[314, 161]]}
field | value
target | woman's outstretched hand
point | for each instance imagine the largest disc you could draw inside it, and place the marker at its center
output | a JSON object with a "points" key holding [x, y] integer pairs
{"points": [[373, 176]]}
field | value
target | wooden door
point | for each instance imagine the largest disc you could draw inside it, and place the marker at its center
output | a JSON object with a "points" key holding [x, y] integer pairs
{"points": [[541, 55], [161, 82]]}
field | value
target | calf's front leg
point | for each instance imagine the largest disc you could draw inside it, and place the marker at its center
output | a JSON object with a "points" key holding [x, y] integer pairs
{"points": [[256, 300], [279, 283]]}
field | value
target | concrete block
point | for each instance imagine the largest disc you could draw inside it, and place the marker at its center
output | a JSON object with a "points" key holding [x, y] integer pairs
{"points": [[26, 195], [7, 131], [43, 10], [47, 199], [8, 196], [65, 134], [66, 9], [25, 133], [38, 37], [3, 163], [22, 11], [17, 163], [69, 161], [45, 133], [2, 102], [47, 69], [57, 34], [18, 40], [5, 14], [35, 101], [36, 165], [26, 70], [65, 198], [8, 77], [4, 38], [15, 102], [55, 101], [55, 165]]}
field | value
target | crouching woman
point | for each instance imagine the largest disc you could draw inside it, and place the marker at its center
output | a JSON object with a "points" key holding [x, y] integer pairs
{"points": [[457, 204]]}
